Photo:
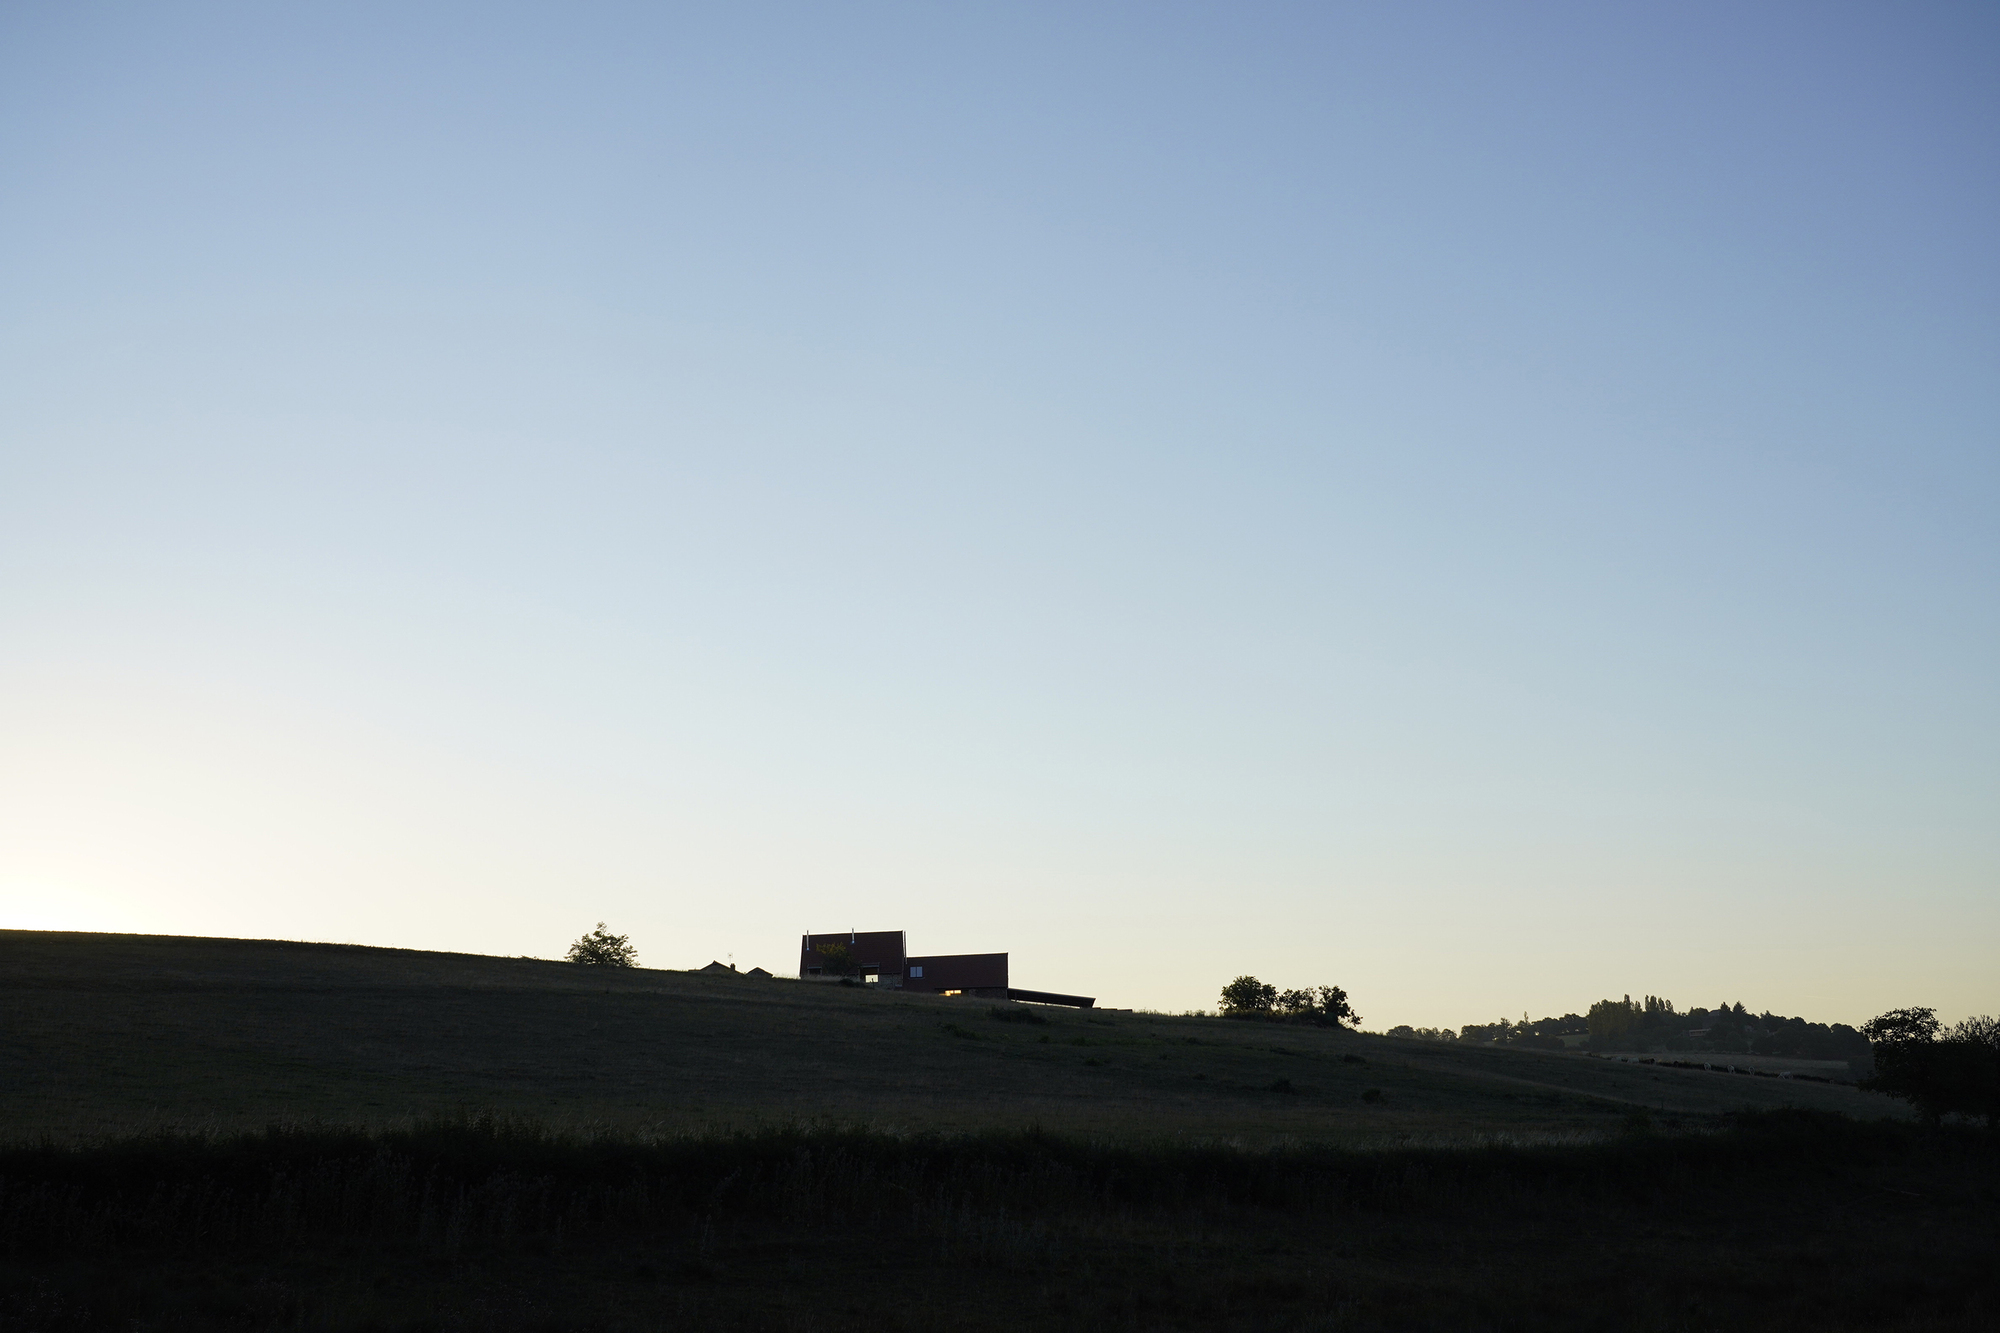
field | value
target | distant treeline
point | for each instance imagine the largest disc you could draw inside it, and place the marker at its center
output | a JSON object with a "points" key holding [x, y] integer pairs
{"points": [[1654, 1024]]}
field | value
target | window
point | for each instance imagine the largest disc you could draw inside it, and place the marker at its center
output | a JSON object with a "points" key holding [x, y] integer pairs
{"points": [[951, 992], [916, 972]]}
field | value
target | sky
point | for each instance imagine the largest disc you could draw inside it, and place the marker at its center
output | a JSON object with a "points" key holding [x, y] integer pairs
{"points": [[1489, 506]]}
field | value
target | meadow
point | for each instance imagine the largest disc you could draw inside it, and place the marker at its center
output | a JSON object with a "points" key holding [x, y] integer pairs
{"points": [[115, 1034], [208, 1134]]}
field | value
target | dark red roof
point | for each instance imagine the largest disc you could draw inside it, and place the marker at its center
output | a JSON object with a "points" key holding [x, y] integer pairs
{"points": [[881, 949], [956, 971]]}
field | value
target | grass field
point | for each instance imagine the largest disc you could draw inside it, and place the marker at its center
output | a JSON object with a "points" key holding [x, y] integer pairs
{"points": [[483, 1143], [111, 1033]]}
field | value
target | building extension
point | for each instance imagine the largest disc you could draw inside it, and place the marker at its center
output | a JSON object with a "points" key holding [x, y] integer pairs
{"points": [[881, 958]]}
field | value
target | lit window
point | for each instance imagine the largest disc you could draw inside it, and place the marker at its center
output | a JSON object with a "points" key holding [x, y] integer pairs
{"points": [[951, 992]]}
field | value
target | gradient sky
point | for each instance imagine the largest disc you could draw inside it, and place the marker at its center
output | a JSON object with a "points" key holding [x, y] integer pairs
{"points": [[1491, 506]]}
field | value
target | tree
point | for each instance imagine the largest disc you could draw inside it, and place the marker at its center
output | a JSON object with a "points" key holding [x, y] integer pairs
{"points": [[1610, 1022], [1297, 1003], [1247, 997], [1333, 1007], [1978, 1044], [1902, 1027], [600, 948], [836, 960], [1911, 1064]]}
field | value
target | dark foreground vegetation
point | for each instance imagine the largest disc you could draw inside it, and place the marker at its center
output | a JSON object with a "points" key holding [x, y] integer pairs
{"points": [[1940, 1071], [1774, 1220]]}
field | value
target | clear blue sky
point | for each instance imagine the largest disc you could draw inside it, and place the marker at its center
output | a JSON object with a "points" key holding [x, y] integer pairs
{"points": [[1489, 505]]}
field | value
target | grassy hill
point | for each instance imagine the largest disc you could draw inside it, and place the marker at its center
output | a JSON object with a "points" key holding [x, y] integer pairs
{"points": [[679, 1150], [114, 1033]]}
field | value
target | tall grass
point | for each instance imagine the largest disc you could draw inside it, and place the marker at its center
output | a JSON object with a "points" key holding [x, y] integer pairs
{"points": [[482, 1180], [501, 1224]]}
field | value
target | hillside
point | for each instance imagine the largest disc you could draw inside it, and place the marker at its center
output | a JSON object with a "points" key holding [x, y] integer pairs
{"points": [[111, 1033], [1201, 1174]]}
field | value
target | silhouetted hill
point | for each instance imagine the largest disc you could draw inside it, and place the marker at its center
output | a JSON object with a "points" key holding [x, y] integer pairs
{"points": [[461, 1142], [115, 1032]]}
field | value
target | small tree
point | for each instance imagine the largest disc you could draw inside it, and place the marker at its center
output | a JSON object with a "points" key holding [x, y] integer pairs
{"points": [[600, 948], [1335, 1009], [836, 960], [1247, 997]]}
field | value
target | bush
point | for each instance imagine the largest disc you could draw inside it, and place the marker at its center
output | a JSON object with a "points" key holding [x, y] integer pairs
{"points": [[1005, 1014]]}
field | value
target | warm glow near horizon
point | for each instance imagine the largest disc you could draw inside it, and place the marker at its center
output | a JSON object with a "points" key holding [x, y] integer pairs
{"points": [[1490, 508]]}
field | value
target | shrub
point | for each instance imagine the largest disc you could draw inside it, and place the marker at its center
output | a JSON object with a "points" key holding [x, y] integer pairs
{"points": [[1007, 1014]]}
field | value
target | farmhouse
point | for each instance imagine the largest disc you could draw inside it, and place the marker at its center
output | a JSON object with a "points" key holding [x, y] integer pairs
{"points": [[882, 958]]}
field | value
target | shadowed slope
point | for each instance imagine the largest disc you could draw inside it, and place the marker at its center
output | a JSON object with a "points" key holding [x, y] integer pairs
{"points": [[114, 1032]]}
